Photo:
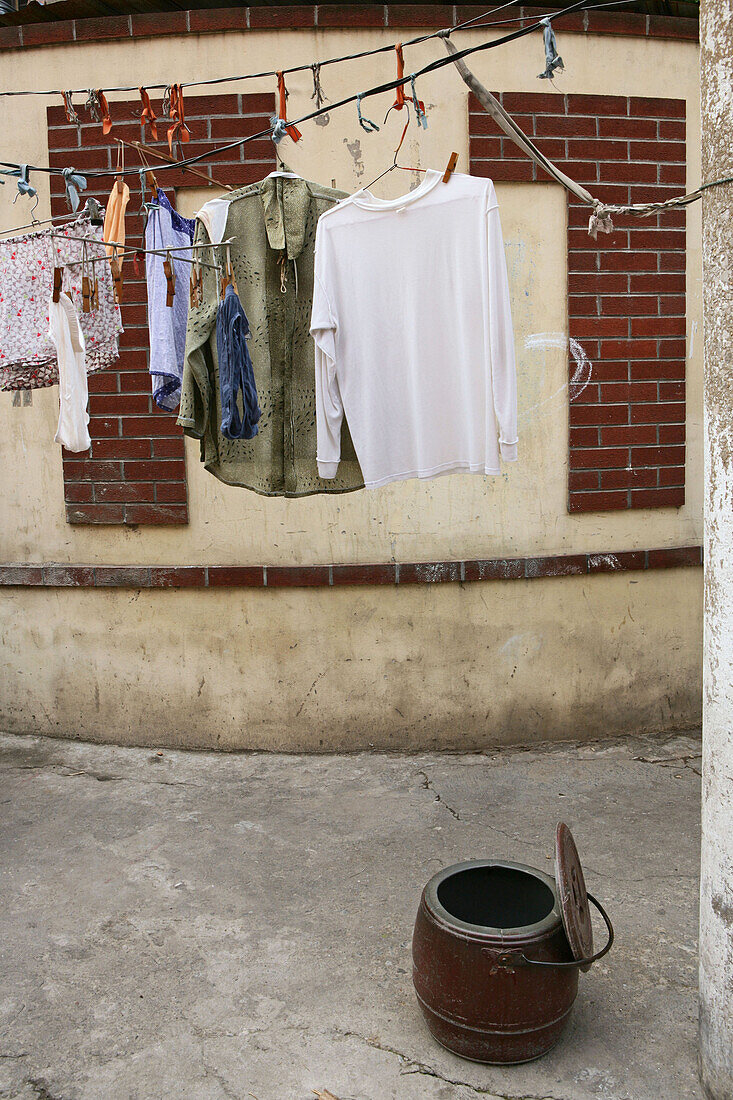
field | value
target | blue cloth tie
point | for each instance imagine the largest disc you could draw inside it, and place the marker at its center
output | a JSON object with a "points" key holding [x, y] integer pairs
{"points": [[74, 184], [552, 59], [279, 129], [365, 123], [24, 187], [422, 118]]}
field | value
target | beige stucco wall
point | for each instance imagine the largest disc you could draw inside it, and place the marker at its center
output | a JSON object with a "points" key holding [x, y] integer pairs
{"points": [[439, 666], [450, 691]]}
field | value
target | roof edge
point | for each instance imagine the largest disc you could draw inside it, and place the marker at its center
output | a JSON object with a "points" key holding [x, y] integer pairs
{"points": [[310, 16]]}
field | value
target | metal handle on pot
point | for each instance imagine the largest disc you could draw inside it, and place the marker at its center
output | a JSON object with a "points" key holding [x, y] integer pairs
{"points": [[510, 961]]}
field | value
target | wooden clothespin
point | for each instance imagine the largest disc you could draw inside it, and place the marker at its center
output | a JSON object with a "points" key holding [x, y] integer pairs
{"points": [[170, 278], [197, 286], [228, 276], [86, 282], [120, 166], [230, 271], [58, 278], [451, 167], [116, 269], [90, 290]]}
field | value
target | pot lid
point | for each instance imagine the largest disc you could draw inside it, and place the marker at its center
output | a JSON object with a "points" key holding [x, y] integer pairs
{"points": [[572, 895]]}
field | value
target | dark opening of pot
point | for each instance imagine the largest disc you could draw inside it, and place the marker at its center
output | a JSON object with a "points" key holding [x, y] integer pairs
{"points": [[496, 897]]}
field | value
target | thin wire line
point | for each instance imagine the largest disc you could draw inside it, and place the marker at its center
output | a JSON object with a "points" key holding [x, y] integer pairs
{"points": [[273, 72], [579, 5], [474, 23]]}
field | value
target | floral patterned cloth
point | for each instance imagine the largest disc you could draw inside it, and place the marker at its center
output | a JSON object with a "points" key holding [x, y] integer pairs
{"points": [[27, 354]]}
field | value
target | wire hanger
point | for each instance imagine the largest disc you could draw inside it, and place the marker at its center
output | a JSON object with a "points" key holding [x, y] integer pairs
{"points": [[394, 164], [147, 176], [58, 219]]}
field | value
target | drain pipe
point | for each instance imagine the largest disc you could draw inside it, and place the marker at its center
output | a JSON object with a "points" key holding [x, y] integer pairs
{"points": [[716, 891]]}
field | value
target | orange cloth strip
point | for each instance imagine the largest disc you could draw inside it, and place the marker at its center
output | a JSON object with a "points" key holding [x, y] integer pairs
{"points": [[400, 98], [293, 131], [148, 114], [179, 128], [104, 107]]}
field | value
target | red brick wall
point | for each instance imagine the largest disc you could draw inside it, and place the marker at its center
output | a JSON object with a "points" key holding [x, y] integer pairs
{"points": [[626, 291], [135, 471]]}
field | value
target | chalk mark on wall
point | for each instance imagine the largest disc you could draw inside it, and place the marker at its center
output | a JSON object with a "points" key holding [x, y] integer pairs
{"points": [[582, 371]]}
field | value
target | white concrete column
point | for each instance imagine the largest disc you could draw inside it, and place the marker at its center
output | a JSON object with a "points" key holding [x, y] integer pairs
{"points": [[716, 897]]}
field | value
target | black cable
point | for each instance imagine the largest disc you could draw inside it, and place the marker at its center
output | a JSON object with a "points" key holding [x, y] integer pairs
{"points": [[579, 5]]}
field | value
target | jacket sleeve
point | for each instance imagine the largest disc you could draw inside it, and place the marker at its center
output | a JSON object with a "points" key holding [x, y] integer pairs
{"points": [[329, 407], [197, 403], [503, 369]]}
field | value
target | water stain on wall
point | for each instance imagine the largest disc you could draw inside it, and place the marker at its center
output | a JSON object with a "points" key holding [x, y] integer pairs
{"points": [[354, 148]]}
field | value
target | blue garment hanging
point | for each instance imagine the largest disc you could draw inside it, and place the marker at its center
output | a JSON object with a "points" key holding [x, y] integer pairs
{"points": [[167, 230], [235, 370]]}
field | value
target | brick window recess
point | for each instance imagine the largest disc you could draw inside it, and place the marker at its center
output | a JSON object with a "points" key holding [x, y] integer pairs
{"points": [[135, 471], [626, 291]]}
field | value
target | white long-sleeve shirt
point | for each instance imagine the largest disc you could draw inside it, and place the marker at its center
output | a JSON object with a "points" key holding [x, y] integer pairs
{"points": [[413, 333], [68, 339]]}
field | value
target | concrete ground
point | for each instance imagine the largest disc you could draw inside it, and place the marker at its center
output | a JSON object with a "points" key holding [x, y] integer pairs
{"points": [[208, 926]]}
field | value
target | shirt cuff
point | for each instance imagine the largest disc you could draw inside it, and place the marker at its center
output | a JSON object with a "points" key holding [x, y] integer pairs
{"points": [[508, 451], [327, 469]]}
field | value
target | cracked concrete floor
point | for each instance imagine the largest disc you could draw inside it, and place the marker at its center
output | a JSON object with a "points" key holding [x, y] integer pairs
{"points": [[207, 926]]}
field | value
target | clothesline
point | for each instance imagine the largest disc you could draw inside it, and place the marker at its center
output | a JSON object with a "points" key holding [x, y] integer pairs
{"points": [[387, 86], [474, 22]]}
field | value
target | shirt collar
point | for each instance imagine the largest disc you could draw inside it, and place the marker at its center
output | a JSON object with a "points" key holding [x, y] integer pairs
{"points": [[285, 202]]}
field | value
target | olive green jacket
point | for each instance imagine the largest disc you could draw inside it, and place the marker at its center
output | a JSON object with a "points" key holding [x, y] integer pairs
{"points": [[273, 224]]}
